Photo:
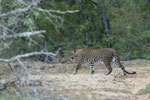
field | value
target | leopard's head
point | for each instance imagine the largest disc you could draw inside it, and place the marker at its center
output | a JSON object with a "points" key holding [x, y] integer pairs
{"points": [[73, 54], [76, 53]]}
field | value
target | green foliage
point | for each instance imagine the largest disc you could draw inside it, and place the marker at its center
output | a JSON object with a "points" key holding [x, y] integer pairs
{"points": [[5, 44], [130, 33], [29, 22], [16, 4], [128, 19]]}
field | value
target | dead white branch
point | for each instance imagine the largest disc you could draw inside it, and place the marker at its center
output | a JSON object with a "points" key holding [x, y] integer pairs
{"points": [[21, 10], [33, 6], [23, 66], [27, 55], [24, 34], [57, 11], [15, 12]]}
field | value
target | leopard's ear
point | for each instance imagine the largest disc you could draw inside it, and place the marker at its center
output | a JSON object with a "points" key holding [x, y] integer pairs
{"points": [[74, 49]]}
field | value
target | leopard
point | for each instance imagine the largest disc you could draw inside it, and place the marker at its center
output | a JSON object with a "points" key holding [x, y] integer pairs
{"points": [[92, 56]]}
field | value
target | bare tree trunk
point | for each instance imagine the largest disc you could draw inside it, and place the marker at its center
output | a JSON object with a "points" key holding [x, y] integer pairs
{"points": [[105, 21], [148, 2]]}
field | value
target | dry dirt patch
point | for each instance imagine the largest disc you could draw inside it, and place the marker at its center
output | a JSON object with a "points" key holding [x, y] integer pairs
{"points": [[85, 86]]}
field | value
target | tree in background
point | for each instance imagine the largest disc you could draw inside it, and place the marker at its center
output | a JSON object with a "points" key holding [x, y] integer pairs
{"points": [[122, 25]]}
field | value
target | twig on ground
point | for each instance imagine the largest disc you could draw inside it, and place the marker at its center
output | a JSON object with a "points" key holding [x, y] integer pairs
{"points": [[5, 85], [13, 70]]}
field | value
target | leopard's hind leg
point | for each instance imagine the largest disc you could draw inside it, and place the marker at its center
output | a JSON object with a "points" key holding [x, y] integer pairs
{"points": [[108, 66]]}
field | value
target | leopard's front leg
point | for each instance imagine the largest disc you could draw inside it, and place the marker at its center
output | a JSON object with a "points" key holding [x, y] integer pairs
{"points": [[77, 68]]}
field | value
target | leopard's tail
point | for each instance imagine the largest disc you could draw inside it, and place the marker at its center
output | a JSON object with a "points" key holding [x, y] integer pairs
{"points": [[118, 63]]}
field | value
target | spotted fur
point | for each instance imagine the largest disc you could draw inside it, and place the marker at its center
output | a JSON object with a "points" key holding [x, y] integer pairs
{"points": [[91, 56]]}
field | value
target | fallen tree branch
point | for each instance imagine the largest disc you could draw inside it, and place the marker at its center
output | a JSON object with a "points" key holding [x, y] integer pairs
{"points": [[13, 70], [24, 34], [7, 84], [27, 55]]}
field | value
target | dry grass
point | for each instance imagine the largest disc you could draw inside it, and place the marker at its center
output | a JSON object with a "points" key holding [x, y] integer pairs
{"points": [[145, 90]]}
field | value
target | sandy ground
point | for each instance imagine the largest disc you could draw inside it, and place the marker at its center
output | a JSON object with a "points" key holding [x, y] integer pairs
{"points": [[98, 86]]}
